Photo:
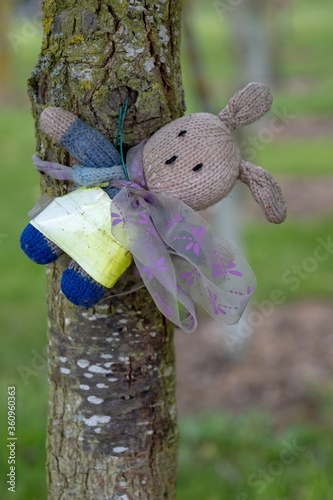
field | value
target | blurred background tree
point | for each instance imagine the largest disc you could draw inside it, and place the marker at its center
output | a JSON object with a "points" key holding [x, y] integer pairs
{"points": [[4, 47], [235, 415]]}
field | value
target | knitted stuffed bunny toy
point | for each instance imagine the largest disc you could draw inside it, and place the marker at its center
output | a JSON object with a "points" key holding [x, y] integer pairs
{"points": [[193, 159]]}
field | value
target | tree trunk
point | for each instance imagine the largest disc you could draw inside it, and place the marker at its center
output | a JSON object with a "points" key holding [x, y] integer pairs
{"points": [[112, 430], [252, 42]]}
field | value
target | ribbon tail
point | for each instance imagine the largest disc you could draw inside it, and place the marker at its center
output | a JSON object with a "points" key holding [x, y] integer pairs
{"points": [[54, 170], [132, 226], [173, 302], [212, 272]]}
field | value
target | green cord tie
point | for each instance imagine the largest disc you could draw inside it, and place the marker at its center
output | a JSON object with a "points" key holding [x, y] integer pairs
{"points": [[120, 135]]}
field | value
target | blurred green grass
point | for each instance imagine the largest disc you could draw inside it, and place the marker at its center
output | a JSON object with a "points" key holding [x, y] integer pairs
{"points": [[243, 457], [273, 251], [218, 453], [22, 309]]}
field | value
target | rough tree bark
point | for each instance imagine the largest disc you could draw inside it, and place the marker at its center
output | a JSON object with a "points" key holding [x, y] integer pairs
{"points": [[112, 416]]}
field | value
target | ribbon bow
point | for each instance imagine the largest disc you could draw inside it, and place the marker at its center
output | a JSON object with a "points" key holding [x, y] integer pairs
{"points": [[179, 259]]}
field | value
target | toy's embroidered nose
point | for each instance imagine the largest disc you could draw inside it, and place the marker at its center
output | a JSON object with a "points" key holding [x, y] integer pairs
{"points": [[182, 133], [171, 160], [197, 167]]}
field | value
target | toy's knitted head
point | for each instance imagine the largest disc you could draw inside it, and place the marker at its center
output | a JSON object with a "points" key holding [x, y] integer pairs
{"points": [[195, 158]]}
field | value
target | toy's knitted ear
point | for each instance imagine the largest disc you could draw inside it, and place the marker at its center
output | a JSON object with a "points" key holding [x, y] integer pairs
{"points": [[81, 140], [265, 190], [247, 106]]}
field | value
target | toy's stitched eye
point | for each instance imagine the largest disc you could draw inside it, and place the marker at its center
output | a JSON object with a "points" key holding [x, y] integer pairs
{"points": [[197, 167], [182, 133], [171, 160]]}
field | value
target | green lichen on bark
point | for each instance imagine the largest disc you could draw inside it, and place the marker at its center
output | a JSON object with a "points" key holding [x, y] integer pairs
{"points": [[112, 414], [111, 45]]}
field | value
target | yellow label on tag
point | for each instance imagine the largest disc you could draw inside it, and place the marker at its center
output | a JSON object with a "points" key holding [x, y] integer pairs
{"points": [[80, 224]]}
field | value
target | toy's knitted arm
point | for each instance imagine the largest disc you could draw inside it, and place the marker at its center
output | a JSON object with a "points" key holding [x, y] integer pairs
{"points": [[88, 176], [99, 159], [265, 190], [81, 140], [81, 175]]}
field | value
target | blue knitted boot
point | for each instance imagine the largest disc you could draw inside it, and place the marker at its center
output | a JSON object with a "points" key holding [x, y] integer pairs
{"points": [[79, 288], [37, 247]]}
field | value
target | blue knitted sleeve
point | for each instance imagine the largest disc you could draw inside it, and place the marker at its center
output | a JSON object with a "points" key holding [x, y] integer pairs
{"points": [[89, 147], [88, 176]]}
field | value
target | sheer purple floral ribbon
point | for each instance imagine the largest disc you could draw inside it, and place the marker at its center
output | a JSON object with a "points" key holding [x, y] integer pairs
{"points": [[179, 259], [54, 170]]}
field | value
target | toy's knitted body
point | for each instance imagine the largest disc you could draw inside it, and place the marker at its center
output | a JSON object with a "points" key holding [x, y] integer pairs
{"points": [[193, 160], [99, 161]]}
